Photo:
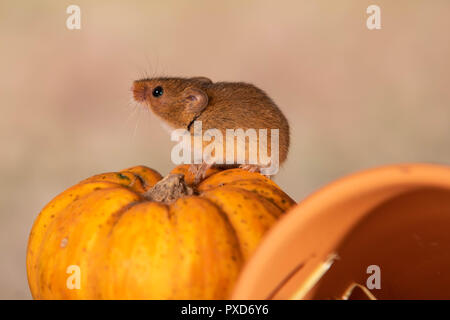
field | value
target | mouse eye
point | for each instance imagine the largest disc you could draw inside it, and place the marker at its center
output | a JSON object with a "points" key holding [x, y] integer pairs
{"points": [[158, 91]]}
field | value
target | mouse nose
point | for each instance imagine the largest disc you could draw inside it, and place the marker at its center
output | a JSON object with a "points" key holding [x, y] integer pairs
{"points": [[140, 91]]}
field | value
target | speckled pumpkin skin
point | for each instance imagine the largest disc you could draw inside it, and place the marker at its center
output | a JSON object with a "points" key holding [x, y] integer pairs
{"points": [[128, 247]]}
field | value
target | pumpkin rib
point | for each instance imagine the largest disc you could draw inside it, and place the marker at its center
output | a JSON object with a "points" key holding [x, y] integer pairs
{"points": [[124, 179], [228, 252], [137, 218], [72, 224], [45, 219], [225, 177], [137, 178], [228, 222], [274, 212], [148, 177], [233, 200], [267, 191], [115, 216], [171, 212]]}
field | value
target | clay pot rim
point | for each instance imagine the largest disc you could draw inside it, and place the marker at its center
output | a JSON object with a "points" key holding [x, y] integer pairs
{"points": [[369, 180]]}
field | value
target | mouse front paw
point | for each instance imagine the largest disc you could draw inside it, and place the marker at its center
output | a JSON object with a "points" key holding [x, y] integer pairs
{"points": [[199, 171]]}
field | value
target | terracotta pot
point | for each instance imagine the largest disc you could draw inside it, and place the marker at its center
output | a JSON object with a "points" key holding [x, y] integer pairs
{"points": [[396, 218]]}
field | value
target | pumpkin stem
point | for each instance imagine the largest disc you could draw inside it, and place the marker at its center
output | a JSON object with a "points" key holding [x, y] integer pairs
{"points": [[169, 189]]}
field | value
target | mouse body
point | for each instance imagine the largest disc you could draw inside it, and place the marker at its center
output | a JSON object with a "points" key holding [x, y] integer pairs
{"points": [[182, 102]]}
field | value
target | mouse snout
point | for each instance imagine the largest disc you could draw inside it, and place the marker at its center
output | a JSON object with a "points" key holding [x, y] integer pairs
{"points": [[140, 89]]}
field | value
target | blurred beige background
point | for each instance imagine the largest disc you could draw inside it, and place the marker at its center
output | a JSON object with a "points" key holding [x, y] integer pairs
{"points": [[354, 98]]}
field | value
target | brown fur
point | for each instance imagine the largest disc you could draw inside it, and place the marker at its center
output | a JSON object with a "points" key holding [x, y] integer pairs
{"points": [[230, 105]]}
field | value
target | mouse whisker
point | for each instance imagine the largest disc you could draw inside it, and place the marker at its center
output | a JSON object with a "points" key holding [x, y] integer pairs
{"points": [[137, 124]]}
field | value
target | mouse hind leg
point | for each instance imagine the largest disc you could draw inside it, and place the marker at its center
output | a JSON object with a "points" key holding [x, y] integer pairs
{"points": [[255, 168], [250, 167]]}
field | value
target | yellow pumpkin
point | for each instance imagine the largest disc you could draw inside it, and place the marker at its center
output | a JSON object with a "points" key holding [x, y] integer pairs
{"points": [[131, 235]]}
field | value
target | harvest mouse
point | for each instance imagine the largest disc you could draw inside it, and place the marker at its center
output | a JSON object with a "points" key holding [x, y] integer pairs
{"points": [[181, 102]]}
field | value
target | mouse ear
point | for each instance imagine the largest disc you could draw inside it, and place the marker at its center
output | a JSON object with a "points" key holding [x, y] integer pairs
{"points": [[196, 99], [202, 79]]}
